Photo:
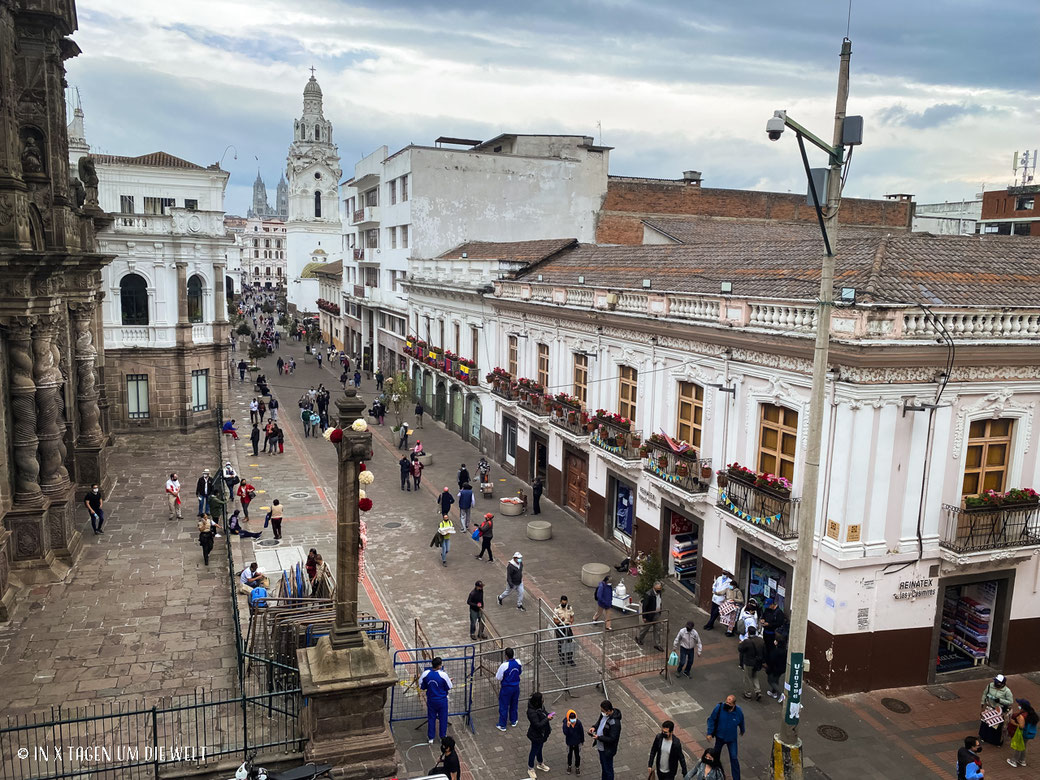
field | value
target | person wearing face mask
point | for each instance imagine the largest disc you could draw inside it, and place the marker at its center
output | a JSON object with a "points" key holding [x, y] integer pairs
{"points": [[724, 724], [606, 734], [94, 501], [574, 735], [173, 496], [708, 768], [666, 754]]}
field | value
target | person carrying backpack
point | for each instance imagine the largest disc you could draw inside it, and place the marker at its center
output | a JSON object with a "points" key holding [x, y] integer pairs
{"points": [[487, 533], [1025, 718]]}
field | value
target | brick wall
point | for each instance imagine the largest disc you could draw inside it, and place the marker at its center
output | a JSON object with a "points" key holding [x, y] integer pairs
{"points": [[629, 201]]}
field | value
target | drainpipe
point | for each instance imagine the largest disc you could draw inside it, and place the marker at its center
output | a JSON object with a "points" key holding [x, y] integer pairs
{"points": [[924, 482]]}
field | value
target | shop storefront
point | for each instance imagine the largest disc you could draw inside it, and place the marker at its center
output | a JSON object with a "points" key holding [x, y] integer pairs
{"points": [[623, 508], [972, 623], [764, 578], [509, 441], [683, 547]]}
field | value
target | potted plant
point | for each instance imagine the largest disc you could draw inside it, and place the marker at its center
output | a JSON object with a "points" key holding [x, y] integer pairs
{"points": [[705, 472], [722, 479], [1019, 497], [682, 469]]}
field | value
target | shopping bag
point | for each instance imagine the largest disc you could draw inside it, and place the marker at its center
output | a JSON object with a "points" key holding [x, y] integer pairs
{"points": [[1018, 742], [673, 659], [476, 534], [267, 519]]}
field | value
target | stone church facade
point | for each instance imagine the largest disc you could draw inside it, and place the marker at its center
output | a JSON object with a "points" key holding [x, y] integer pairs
{"points": [[53, 420]]}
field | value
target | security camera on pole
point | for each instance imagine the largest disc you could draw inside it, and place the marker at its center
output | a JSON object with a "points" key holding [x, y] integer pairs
{"points": [[787, 746]]}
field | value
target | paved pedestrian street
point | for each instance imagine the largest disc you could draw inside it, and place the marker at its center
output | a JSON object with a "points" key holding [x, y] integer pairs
{"points": [[138, 616], [406, 581]]}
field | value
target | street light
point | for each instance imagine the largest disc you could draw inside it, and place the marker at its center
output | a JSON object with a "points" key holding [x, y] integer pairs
{"points": [[787, 747]]}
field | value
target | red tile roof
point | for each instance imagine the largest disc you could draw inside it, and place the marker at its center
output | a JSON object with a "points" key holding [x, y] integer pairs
{"points": [[155, 159], [906, 268], [701, 230], [515, 251]]}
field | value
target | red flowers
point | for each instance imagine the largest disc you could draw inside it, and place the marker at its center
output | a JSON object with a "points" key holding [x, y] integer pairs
{"points": [[337, 436], [364, 504]]}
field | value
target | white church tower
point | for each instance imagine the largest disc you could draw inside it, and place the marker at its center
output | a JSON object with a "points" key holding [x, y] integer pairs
{"points": [[313, 227]]}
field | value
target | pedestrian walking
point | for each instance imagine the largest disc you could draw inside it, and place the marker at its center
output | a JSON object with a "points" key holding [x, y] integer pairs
{"points": [[536, 495], [686, 641], [406, 471], [277, 514], [261, 409], [230, 477], [417, 468], [574, 737], [437, 684], [281, 439], [273, 409], [318, 356], [206, 534], [402, 437], [344, 378], [267, 435], [173, 496], [969, 764], [604, 601], [719, 588], [280, 364], [724, 724], [708, 768], [443, 538], [475, 600], [486, 534], [254, 411], [242, 368], [254, 439], [204, 491], [357, 378], [666, 754], [508, 676], [997, 696], [315, 421], [305, 418], [246, 493], [752, 654], [606, 734], [484, 470], [379, 379], [465, 500], [652, 616], [419, 411], [538, 733], [514, 580], [776, 666], [94, 501], [462, 477], [444, 501], [1025, 719]]}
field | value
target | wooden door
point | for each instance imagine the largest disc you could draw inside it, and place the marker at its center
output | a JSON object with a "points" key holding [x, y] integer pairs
{"points": [[577, 480]]}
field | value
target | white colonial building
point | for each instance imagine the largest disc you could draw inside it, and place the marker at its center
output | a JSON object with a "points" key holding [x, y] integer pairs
{"points": [[313, 228], [422, 201], [627, 378], [164, 314]]}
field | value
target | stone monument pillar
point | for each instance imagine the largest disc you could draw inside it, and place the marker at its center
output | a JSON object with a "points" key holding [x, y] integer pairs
{"points": [[346, 676], [90, 449]]}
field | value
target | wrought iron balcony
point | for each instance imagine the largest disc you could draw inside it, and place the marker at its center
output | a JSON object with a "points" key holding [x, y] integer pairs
{"points": [[572, 419], [535, 403], [683, 470], [770, 510], [624, 444], [985, 528]]}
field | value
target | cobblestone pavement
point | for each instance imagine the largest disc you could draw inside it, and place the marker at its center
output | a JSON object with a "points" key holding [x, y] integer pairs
{"points": [[139, 615], [406, 581]]}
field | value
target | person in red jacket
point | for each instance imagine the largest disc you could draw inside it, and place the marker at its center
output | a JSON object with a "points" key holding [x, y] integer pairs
{"points": [[246, 493]]}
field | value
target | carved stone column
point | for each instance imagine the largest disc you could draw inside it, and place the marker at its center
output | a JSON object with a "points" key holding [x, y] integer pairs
{"points": [[25, 442], [89, 449], [50, 419], [184, 338], [219, 297]]}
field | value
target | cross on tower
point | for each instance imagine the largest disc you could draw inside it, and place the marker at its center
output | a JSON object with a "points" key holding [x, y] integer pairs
{"points": [[312, 71]]}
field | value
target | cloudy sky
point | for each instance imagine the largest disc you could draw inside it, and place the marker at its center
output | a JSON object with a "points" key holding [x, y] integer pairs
{"points": [[947, 87]]}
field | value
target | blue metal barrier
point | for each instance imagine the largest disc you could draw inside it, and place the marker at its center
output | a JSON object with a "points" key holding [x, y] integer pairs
{"points": [[408, 701]]}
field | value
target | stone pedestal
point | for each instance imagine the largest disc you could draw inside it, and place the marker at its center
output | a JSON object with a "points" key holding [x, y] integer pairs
{"points": [[344, 720]]}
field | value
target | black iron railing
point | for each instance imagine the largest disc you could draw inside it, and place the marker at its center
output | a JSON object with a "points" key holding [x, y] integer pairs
{"points": [[683, 470], [772, 512], [984, 528]]}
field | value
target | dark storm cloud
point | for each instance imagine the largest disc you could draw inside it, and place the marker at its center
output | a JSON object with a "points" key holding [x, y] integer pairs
{"points": [[933, 116]]}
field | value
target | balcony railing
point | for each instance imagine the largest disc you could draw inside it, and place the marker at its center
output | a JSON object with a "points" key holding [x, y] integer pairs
{"points": [[359, 253], [682, 470], [570, 419], [770, 511], [535, 403], [621, 443], [976, 530]]}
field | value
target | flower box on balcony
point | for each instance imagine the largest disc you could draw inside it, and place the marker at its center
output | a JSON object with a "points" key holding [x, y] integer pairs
{"points": [[992, 501]]}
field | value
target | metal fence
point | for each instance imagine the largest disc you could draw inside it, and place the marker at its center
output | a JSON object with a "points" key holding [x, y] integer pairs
{"points": [[408, 700], [128, 740]]}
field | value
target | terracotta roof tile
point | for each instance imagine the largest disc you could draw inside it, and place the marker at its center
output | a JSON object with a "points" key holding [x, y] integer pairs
{"points": [[903, 268], [701, 230], [155, 159], [516, 251]]}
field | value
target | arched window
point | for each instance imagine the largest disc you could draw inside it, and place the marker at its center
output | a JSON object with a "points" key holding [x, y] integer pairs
{"points": [[195, 299], [267, 243], [133, 298], [278, 243], [268, 271], [317, 204], [279, 270], [256, 271], [317, 133]]}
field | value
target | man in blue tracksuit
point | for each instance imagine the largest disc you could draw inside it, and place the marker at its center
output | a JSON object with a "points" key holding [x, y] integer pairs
{"points": [[508, 675], [437, 684], [723, 724]]}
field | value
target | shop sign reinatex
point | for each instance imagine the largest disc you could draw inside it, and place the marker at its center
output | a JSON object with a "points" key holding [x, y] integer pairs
{"points": [[915, 589]]}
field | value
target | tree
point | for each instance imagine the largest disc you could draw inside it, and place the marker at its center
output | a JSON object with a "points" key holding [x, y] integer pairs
{"points": [[243, 330], [267, 308], [398, 391], [651, 570], [257, 352]]}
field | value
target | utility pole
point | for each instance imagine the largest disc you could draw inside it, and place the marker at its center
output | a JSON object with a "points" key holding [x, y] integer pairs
{"points": [[787, 746]]}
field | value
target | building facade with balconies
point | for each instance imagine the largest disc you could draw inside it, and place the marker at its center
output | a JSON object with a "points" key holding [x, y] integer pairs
{"points": [[422, 201], [164, 314], [261, 245], [662, 395]]}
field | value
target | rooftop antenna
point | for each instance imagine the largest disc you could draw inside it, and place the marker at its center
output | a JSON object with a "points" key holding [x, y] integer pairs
{"points": [[599, 129], [1026, 161]]}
